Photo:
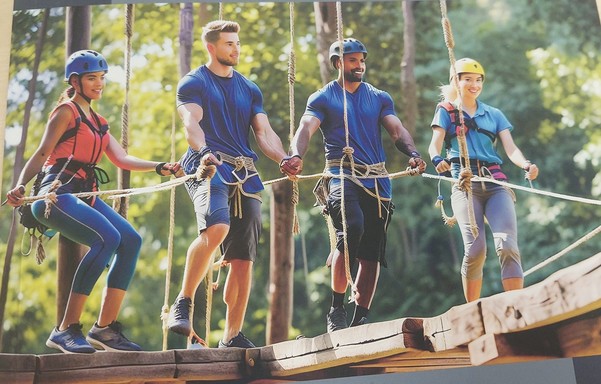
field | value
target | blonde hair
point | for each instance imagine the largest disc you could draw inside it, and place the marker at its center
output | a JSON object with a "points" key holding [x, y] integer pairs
{"points": [[211, 31]]}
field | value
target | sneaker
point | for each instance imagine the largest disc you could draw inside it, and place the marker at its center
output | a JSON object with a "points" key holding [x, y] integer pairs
{"points": [[71, 340], [110, 338], [362, 321], [240, 341], [179, 316], [336, 319]]}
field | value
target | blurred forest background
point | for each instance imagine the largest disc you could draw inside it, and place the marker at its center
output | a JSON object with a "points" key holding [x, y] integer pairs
{"points": [[543, 69]]}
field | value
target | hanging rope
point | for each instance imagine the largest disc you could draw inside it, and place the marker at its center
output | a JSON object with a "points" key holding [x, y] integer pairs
{"points": [[347, 152], [165, 309], [220, 10], [465, 175], [291, 81], [122, 175]]}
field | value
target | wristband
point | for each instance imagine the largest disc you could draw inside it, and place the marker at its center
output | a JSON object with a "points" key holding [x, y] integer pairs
{"points": [[158, 168], [415, 154], [204, 150], [437, 160]]}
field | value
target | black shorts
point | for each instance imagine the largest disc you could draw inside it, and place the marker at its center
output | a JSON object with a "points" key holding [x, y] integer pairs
{"points": [[243, 237], [366, 230]]}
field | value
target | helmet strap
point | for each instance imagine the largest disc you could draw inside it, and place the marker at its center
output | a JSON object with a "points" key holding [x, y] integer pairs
{"points": [[81, 92]]}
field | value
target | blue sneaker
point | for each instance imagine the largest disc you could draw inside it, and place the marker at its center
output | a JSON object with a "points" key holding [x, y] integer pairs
{"points": [[336, 319], [240, 341], [110, 338], [71, 340], [179, 316]]}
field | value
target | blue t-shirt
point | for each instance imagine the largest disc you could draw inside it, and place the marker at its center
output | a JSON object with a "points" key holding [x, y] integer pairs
{"points": [[229, 104], [366, 108], [480, 145]]}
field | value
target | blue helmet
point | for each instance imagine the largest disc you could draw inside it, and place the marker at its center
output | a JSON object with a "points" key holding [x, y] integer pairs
{"points": [[85, 61], [350, 46]]}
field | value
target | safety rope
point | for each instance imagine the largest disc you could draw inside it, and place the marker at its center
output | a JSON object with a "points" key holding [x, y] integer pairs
{"points": [[562, 253], [291, 81], [465, 175], [165, 309]]}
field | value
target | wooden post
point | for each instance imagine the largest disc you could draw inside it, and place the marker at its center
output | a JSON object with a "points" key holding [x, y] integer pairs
{"points": [[6, 8], [281, 263]]}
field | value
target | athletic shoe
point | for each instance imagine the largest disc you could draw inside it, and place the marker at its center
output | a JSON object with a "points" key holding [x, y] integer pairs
{"points": [[179, 316], [240, 341], [71, 340], [111, 338], [360, 322], [336, 319]]}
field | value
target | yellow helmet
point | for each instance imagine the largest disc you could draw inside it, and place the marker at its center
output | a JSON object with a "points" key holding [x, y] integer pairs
{"points": [[467, 65]]}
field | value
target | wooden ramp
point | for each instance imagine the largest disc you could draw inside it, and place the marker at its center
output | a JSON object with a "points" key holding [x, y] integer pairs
{"points": [[557, 318]]}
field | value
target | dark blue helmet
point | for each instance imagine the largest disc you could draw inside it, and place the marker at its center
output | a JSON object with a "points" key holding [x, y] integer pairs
{"points": [[85, 61], [350, 46]]}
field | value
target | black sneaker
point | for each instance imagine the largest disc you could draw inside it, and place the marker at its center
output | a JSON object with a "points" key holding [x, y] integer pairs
{"points": [[240, 341], [111, 338], [179, 316], [336, 319], [71, 340], [362, 321]]}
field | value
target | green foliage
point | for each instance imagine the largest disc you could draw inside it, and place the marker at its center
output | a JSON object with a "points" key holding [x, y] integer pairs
{"points": [[542, 68]]}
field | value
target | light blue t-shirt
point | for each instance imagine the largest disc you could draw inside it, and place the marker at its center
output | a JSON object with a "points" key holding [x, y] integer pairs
{"points": [[480, 144], [366, 108], [229, 104]]}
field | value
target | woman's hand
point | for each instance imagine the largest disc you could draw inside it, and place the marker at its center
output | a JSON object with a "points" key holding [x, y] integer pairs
{"points": [[15, 196]]}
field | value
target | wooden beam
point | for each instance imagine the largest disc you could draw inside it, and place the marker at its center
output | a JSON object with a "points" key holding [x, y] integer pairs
{"points": [[581, 337]]}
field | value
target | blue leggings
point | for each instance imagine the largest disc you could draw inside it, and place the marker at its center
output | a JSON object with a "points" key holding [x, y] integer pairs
{"points": [[496, 204], [103, 230]]}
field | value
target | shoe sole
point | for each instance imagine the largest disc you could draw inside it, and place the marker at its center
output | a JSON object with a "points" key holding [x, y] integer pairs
{"points": [[52, 344], [100, 346], [180, 330]]}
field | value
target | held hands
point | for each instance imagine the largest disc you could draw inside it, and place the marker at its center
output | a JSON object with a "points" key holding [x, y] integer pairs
{"points": [[168, 169], [15, 196], [291, 166]]}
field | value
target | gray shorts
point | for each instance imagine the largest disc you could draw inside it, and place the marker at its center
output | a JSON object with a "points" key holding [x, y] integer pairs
{"points": [[243, 237]]}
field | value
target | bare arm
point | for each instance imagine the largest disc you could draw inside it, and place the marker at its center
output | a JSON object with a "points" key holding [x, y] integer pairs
{"points": [[435, 147], [56, 127], [269, 142], [516, 156], [403, 141], [307, 127]]}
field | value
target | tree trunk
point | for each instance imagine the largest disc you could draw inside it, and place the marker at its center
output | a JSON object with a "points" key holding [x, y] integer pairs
{"points": [[19, 161], [281, 263], [77, 37], [408, 82], [186, 37], [325, 24]]}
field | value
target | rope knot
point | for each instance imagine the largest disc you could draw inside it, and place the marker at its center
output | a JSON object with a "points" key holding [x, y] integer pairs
{"points": [[348, 151]]}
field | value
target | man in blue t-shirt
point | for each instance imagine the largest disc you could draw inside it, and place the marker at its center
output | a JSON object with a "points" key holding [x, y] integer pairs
{"points": [[367, 189], [219, 107]]}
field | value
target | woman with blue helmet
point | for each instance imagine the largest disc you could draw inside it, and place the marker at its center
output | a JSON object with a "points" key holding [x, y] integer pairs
{"points": [[75, 139]]}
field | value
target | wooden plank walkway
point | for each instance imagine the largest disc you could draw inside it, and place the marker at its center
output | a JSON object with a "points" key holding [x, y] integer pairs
{"points": [[557, 318]]}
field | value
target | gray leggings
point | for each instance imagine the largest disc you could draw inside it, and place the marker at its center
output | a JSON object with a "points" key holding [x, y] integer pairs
{"points": [[496, 204]]}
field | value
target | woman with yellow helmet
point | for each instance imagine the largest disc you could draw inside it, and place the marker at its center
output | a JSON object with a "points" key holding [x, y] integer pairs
{"points": [[483, 125]]}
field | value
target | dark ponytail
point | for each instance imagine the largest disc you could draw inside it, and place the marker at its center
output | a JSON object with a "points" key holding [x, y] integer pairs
{"points": [[66, 95]]}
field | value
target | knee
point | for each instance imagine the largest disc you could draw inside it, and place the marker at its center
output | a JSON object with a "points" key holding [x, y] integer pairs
{"points": [[132, 239], [509, 257], [473, 260]]}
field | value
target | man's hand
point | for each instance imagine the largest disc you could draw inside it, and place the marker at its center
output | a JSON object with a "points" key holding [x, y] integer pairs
{"points": [[416, 162], [291, 166]]}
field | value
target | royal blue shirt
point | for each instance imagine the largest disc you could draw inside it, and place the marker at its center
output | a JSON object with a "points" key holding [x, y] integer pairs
{"points": [[229, 104], [366, 108]]}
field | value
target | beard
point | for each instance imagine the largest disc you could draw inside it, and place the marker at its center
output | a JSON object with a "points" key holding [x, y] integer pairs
{"points": [[228, 61], [352, 77]]}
